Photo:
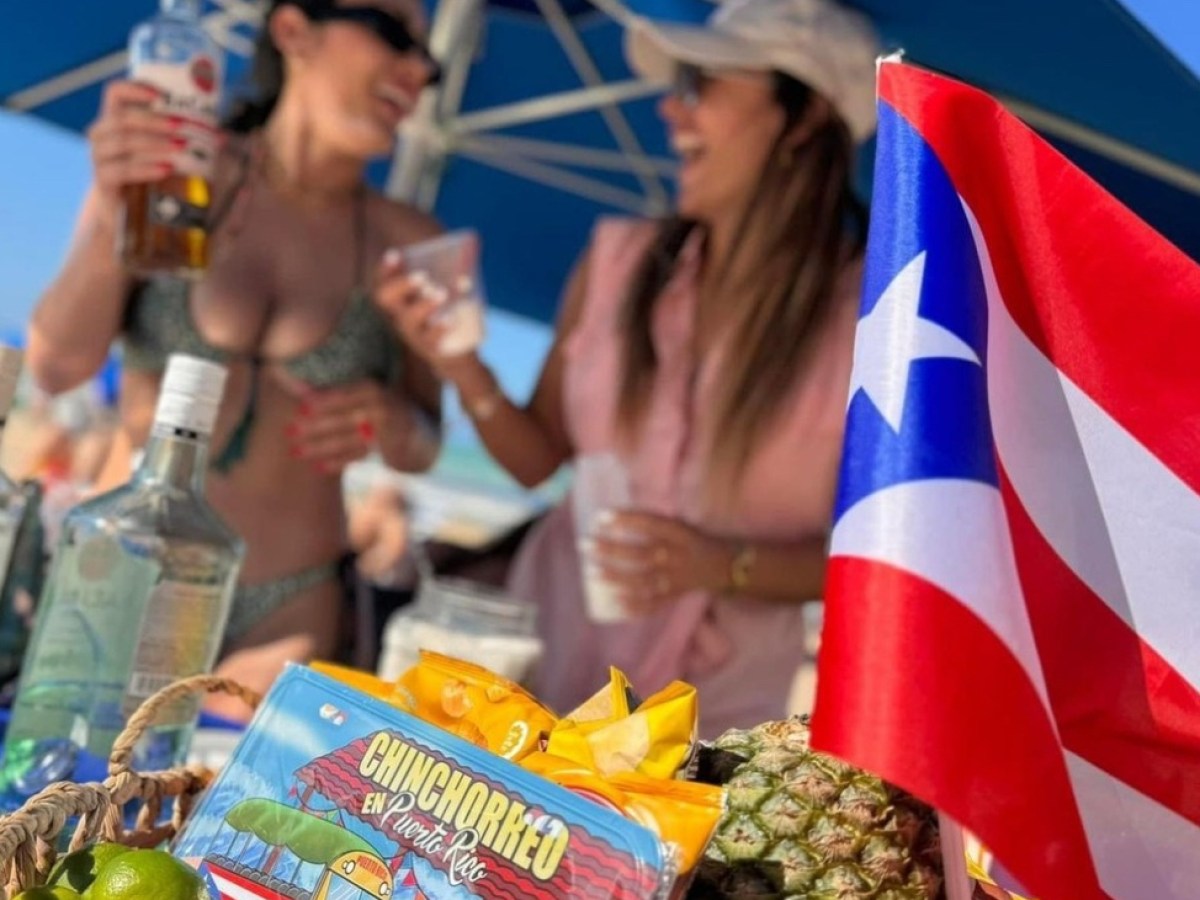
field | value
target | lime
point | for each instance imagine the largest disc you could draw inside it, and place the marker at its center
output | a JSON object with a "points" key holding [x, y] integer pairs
{"points": [[77, 870], [58, 892], [147, 875]]}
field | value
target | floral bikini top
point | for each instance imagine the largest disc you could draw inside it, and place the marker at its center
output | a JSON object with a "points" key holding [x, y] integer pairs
{"points": [[363, 344]]}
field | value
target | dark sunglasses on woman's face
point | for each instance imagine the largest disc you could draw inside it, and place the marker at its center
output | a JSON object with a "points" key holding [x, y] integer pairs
{"points": [[689, 82], [391, 30]]}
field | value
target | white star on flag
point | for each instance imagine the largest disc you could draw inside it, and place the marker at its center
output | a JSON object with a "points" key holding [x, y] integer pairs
{"points": [[892, 336]]}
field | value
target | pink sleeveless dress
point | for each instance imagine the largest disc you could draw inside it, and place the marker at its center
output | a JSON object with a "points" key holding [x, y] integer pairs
{"points": [[741, 654]]}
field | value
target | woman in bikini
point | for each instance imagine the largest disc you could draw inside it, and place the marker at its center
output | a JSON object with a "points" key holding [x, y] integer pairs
{"points": [[317, 378]]}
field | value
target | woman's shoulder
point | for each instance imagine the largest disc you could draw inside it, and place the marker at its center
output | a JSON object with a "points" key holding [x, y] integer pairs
{"points": [[621, 231], [617, 243]]}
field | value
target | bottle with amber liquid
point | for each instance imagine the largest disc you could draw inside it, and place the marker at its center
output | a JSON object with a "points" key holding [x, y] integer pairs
{"points": [[165, 228]]}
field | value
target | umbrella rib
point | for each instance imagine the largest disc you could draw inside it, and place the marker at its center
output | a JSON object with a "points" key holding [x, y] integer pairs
{"points": [[554, 177], [67, 82], [570, 154], [72, 80], [615, 10], [1134, 157], [581, 60], [550, 105]]}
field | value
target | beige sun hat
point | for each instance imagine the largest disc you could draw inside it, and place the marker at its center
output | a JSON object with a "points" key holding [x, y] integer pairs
{"points": [[826, 45]]}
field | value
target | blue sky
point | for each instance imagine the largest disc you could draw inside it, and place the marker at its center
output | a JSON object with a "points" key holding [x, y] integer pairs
{"points": [[1161, 17], [43, 170]]}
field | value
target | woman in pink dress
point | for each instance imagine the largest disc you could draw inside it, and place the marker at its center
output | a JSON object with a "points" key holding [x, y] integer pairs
{"points": [[711, 353]]}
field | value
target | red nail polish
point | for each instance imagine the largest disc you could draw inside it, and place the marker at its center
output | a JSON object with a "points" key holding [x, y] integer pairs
{"points": [[367, 431]]}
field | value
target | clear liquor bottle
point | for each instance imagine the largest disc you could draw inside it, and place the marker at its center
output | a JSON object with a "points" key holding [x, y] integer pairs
{"points": [[165, 228], [137, 597]]}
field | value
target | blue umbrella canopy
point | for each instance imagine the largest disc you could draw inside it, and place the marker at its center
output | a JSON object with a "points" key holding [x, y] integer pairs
{"points": [[540, 127]]}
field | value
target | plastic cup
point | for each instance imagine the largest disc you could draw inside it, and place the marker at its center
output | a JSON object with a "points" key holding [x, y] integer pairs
{"points": [[601, 485], [448, 266]]}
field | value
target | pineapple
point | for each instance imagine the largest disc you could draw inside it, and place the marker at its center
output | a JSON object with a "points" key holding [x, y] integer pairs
{"points": [[802, 824]]}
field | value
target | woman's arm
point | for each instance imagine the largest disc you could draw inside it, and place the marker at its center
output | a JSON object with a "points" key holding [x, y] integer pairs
{"points": [[653, 559], [792, 572], [413, 434], [530, 442], [78, 317]]}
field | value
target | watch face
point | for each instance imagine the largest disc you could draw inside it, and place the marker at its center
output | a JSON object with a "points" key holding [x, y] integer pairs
{"points": [[739, 574]]}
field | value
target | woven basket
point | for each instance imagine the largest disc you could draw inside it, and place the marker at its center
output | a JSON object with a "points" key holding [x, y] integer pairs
{"points": [[28, 837]]}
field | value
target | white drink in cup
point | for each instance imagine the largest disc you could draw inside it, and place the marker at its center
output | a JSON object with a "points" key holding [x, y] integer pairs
{"points": [[448, 268], [600, 487]]}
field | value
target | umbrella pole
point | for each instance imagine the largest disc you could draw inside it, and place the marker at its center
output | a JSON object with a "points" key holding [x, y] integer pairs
{"points": [[423, 145]]}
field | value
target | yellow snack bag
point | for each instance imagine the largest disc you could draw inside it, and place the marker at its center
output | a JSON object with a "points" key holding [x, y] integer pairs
{"points": [[655, 740], [357, 679], [464, 699], [612, 701], [681, 813], [474, 704]]}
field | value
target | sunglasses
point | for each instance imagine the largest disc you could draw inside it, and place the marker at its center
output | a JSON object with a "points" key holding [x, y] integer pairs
{"points": [[391, 30], [690, 80]]}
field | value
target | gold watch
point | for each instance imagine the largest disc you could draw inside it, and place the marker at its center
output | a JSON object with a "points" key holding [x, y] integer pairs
{"points": [[741, 566]]}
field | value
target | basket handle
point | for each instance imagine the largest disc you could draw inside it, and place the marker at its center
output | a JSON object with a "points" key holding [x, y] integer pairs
{"points": [[121, 760], [27, 836]]}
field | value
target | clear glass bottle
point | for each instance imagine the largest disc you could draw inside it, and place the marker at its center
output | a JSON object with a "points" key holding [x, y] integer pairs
{"points": [[14, 507], [166, 223], [466, 620], [137, 597]]}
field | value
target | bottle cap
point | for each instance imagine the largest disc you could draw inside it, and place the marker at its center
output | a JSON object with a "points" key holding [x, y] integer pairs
{"points": [[190, 395], [10, 373]]}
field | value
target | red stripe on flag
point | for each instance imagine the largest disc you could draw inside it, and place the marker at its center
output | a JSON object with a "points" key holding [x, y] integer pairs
{"points": [[1118, 703], [917, 689], [1114, 305]]}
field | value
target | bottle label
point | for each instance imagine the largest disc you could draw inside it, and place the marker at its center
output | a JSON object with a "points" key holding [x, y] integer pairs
{"points": [[8, 539], [180, 636], [190, 92], [88, 619], [172, 211]]}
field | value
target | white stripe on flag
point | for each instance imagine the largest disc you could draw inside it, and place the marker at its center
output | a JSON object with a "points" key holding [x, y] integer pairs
{"points": [[1121, 520], [953, 533], [234, 891], [1061, 451], [1116, 819]]}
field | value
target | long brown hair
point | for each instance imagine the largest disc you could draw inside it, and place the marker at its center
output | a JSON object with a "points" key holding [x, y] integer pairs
{"points": [[794, 240]]}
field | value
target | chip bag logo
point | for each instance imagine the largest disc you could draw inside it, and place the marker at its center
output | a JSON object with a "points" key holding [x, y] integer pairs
{"points": [[424, 800]]}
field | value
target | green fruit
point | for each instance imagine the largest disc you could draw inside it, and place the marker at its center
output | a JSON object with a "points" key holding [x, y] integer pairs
{"points": [[78, 870], [147, 875], [58, 892], [802, 824]]}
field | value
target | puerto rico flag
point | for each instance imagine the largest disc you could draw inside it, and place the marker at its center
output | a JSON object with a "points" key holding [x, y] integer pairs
{"points": [[1013, 603]]}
